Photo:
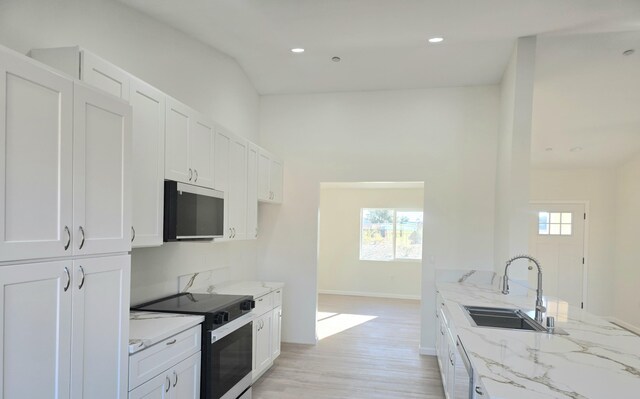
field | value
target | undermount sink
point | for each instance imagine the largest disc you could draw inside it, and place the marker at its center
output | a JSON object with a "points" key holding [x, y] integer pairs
{"points": [[512, 319]]}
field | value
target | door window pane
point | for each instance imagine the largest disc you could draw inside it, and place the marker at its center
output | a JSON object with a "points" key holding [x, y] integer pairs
{"points": [[554, 223]]}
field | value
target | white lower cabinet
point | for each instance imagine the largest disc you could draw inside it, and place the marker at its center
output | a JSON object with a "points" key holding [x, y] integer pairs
{"points": [[168, 369], [266, 331], [179, 382], [84, 299], [262, 344]]}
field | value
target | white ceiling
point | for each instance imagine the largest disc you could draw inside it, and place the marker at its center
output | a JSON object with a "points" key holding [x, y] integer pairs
{"points": [[586, 93], [382, 43]]}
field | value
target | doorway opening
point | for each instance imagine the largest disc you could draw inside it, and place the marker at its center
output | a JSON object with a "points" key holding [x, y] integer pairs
{"points": [[557, 238], [369, 246]]}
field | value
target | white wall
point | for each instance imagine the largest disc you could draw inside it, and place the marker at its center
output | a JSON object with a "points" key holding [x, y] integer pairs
{"points": [[598, 186], [443, 137], [627, 257], [340, 269], [514, 152], [190, 71]]}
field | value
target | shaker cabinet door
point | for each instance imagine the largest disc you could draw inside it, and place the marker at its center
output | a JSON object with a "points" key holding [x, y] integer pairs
{"points": [[36, 118], [148, 164], [100, 327], [35, 330], [101, 173]]}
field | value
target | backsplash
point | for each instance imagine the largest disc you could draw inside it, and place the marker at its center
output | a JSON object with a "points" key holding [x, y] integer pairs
{"points": [[155, 272]]}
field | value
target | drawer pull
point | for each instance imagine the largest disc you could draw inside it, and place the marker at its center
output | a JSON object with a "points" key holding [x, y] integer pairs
{"points": [[172, 342]]}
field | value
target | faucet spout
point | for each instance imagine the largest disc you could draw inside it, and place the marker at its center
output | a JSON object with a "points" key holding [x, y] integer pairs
{"points": [[540, 309]]}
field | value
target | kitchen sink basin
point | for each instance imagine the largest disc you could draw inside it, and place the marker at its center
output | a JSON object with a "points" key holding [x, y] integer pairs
{"points": [[512, 319]]}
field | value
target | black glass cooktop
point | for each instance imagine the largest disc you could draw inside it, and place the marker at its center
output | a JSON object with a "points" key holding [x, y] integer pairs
{"points": [[187, 303]]}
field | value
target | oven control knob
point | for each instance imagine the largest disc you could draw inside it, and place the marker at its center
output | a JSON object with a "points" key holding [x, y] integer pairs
{"points": [[220, 317], [247, 305]]}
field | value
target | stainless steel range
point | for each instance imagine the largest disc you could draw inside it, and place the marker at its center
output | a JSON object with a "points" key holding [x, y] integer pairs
{"points": [[227, 338]]}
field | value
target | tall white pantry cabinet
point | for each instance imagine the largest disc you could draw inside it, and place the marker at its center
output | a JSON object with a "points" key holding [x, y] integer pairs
{"points": [[65, 233]]}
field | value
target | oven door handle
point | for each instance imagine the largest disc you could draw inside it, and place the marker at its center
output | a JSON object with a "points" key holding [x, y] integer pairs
{"points": [[227, 329]]}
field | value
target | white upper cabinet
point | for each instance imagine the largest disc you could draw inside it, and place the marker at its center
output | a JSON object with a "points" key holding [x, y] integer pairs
{"points": [[189, 146], [148, 128], [238, 188], [270, 170], [252, 191], [36, 115], [101, 173], [88, 67], [221, 174]]}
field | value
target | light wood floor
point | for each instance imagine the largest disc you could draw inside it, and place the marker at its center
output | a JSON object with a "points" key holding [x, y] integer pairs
{"points": [[374, 360]]}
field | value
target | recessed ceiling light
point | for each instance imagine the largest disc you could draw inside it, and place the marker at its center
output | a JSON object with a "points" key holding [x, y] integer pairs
{"points": [[335, 59], [297, 50], [436, 40], [575, 149], [629, 52], [548, 149]]}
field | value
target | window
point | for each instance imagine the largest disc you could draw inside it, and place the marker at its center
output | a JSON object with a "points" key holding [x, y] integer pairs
{"points": [[554, 223], [390, 234]]}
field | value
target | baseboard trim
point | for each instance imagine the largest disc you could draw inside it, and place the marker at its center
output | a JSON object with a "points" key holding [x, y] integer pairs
{"points": [[625, 325], [371, 294], [427, 351]]}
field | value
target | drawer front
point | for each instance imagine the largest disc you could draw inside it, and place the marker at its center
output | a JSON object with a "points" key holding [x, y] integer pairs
{"points": [[150, 362], [264, 304], [277, 298]]}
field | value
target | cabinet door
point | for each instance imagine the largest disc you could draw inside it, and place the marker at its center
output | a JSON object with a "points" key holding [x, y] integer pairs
{"points": [[238, 188], [147, 164], [276, 332], [156, 388], [36, 114], [264, 175], [100, 327], [104, 75], [185, 379], [101, 173], [252, 191], [201, 143], [177, 165], [276, 178], [222, 147], [35, 330], [262, 347]]}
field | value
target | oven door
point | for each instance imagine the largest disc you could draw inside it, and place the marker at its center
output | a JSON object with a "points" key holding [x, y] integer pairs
{"points": [[227, 359]]}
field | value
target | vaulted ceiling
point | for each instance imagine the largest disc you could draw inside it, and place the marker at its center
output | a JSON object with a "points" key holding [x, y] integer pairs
{"points": [[587, 94]]}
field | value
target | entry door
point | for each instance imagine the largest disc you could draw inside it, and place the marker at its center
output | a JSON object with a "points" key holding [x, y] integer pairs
{"points": [[556, 239]]}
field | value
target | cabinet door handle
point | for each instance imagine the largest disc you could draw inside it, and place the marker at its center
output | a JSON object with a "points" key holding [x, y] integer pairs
{"points": [[133, 233], [230, 232], [234, 232], [176, 381], [168, 383], [81, 281], [256, 232], [479, 391], [81, 242], [172, 342], [66, 287], [66, 246], [190, 174], [195, 172]]}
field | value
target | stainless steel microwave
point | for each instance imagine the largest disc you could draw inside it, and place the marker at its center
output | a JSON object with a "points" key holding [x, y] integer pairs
{"points": [[192, 213]]}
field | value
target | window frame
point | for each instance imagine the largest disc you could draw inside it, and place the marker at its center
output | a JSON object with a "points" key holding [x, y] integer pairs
{"points": [[395, 212]]}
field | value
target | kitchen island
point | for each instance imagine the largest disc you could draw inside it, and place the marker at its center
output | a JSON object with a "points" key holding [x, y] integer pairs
{"points": [[596, 360]]}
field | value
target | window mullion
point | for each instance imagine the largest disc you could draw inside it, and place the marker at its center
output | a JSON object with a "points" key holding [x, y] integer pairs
{"points": [[394, 234]]}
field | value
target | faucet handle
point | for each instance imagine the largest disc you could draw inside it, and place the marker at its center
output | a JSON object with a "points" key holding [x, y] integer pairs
{"points": [[541, 308]]}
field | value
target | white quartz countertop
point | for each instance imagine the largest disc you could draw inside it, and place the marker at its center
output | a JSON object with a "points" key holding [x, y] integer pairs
{"points": [[597, 360], [253, 288], [149, 328]]}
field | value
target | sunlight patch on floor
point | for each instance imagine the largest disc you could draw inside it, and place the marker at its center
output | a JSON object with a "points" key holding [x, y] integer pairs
{"points": [[333, 323]]}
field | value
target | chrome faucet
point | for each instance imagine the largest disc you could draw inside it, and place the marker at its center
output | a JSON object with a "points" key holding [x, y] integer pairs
{"points": [[540, 309]]}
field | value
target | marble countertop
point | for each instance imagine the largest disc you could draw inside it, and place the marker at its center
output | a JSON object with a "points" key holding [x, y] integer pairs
{"points": [[597, 360], [149, 328]]}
